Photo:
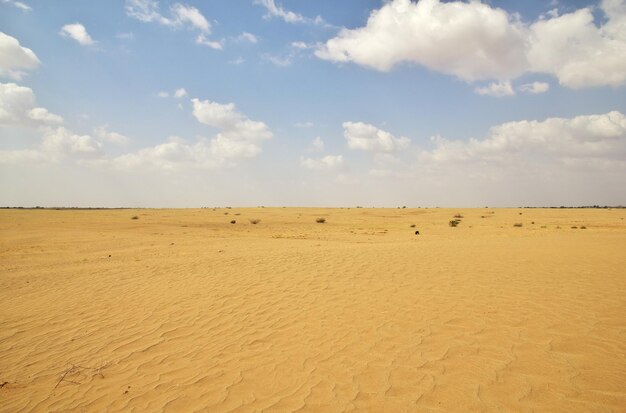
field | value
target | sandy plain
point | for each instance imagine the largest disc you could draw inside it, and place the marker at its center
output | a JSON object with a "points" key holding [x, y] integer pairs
{"points": [[181, 311]]}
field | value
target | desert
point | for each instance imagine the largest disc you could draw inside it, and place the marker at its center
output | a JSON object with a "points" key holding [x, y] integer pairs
{"points": [[512, 309]]}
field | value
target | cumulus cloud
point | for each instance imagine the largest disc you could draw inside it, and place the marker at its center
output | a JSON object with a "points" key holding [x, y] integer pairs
{"points": [[280, 61], [496, 89], [587, 138], [238, 138], [579, 53], [327, 163], [190, 15], [57, 144], [180, 93], [317, 145], [77, 32], [247, 37], [61, 142], [274, 10], [15, 60], [103, 134], [366, 137], [277, 11], [213, 44], [474, 41], [148, 11], [535, 88], [17, 107], [20, 5]]}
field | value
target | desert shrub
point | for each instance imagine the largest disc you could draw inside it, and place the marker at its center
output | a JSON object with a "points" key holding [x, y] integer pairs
{"points": [[583, 227], [458, 216], [519, 224], [254, 221], [320, 220], [134, 217], [413, 225], [574, 227], [454, 222], [233, 222]]}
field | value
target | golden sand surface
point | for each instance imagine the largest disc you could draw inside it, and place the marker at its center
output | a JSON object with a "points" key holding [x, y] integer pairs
{"points": [[181, 311]]}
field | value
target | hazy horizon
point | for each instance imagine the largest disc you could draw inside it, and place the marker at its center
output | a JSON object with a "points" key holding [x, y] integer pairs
{"points": [[159, 103]]}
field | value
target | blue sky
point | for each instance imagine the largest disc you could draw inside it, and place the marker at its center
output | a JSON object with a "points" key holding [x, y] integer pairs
{"points": [[325, 103]]}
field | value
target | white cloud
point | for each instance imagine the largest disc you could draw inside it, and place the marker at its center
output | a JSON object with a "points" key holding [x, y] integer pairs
{"points": [[213, 44], [317, 145], [190, 15], [307, 124], [582, 138], [20, 5], [43, 116], [238, 138], [474, 41], [148, 11], [535, 88], [277, 11], [57, 144], [366, 137], [237, 61], [247, 37], [299, 45], [77, 32], [496, 89], [280, 61], [327, 163], [15, 59], [469, 40], [579, 53], [274, 10], [61, 142], [180, 93], [17, 107], [103, 134]]}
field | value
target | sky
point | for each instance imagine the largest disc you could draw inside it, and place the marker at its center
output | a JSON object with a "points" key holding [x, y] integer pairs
{"points": [[158, 103]]}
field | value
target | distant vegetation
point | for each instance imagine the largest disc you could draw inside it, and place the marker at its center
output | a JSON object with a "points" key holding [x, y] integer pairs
{"points": [[519, 225], [454, 222], [254, 221], [320, 220], [134, 217]]}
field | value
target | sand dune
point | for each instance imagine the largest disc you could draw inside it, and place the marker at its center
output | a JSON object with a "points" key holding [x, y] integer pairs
{"points": [[182, 311]]}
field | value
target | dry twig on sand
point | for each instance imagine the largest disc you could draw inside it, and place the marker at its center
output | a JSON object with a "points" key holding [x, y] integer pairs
{"points": [[75, 369]]}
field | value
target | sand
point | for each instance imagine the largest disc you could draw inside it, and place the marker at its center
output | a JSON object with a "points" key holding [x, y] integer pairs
{"points": [[181, 311]]}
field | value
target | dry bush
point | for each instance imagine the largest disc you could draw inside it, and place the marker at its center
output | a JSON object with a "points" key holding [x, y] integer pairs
{"points": [[233, 222], [453, 223], [458, 216], [519, 224], [320, 220], [134, 217], [254, 221]]}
